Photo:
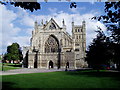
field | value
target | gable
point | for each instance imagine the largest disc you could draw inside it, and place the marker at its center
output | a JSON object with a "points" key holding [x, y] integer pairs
{"points": [[52, 25]]}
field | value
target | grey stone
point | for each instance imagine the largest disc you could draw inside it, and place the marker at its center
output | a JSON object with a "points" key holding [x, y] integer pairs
{"points": [[52, 47]]}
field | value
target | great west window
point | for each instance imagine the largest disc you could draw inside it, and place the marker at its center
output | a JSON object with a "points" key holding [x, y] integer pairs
{"points": [[51, 45]]}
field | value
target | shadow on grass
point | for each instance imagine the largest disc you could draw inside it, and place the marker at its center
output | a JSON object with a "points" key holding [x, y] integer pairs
{"points": [[15, 65], [10, 86], [94, 73], [7, 85]]}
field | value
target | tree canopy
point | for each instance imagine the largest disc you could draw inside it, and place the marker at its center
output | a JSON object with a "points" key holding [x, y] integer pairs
{"points": [[13, 52], [112, 22], [111, 19], [31, 5], [107, 49], [97, 53]]}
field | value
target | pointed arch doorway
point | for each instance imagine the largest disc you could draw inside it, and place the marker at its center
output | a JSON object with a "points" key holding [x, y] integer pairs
{"points": [[67, 64], [52, 46], [50, 64]]}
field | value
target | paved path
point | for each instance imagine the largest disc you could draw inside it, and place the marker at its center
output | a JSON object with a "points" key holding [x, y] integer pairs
{"points": [[27, 70], [38, 70]]}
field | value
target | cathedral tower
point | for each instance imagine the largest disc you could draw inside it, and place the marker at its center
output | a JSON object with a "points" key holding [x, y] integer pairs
{"points": [[79, 43]]}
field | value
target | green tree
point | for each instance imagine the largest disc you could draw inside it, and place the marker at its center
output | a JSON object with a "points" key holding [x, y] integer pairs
{"points": [[32, 5], [13, 52], [98, 53], [112, 21]]}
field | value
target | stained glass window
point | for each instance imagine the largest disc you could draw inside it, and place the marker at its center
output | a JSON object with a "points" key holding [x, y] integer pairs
{"points": [[51, 45]]}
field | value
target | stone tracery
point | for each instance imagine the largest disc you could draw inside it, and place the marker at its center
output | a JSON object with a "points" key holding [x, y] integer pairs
{"points": [[52, 26], [51, 45]]}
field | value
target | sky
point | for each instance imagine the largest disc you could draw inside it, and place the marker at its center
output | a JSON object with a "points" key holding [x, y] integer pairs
{"points": [[17, 23]]}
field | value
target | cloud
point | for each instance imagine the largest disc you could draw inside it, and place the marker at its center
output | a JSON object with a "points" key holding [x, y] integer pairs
{"points": [[92, 1], [91, 25], [28, 21], [12, 32], [52, 10], [7, 27], [77, 9], [25, 18]]}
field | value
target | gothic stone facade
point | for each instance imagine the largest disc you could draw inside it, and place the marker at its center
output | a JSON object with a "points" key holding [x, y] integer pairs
{"points": [[52, 47]]}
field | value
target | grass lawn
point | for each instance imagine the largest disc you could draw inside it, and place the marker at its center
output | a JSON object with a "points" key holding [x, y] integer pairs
{"points": [[9, 66], [74, 79]]}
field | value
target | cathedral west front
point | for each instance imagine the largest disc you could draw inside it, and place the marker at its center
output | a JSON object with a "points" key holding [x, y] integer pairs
{"points": [[52, 47]]}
